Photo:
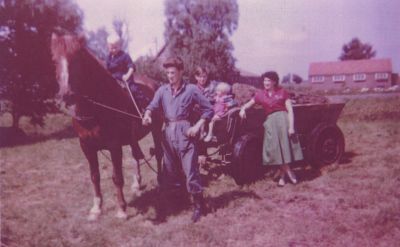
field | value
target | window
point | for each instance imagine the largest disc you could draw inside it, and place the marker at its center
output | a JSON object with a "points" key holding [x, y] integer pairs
{"points": [[381, 76], [359, 77], [317, 78], [338, 78]]}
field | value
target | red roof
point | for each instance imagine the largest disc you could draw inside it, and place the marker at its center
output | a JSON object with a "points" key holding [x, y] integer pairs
{"points": [[350, 67]]}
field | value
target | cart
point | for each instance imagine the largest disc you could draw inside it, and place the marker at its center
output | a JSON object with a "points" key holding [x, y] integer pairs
{"points": [[240, 141]]}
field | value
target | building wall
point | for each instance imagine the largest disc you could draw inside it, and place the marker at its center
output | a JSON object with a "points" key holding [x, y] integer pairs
{"points": [[349, 82]]}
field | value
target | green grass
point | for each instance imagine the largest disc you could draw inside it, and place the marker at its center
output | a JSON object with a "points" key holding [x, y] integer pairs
{"points": [[46, 194]]}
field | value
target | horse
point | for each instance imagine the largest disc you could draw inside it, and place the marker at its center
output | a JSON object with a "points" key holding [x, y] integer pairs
{"points": [[103, 114]]}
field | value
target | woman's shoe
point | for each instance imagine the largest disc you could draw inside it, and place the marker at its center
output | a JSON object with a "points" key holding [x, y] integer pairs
{"points": [[292, 177], [281, 182]]}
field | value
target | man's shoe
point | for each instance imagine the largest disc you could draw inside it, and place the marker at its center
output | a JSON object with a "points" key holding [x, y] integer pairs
{"points": [[198, 211]]}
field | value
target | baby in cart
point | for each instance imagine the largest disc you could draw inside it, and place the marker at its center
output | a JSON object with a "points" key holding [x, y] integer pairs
{"points": [[223, 102]]}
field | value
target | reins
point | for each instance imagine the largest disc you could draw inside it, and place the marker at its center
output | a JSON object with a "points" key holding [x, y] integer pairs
{"points": [[113, 108], [145, 161]]}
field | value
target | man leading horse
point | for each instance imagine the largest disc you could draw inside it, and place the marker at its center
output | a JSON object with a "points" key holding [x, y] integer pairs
{"points": [[177, 100]]}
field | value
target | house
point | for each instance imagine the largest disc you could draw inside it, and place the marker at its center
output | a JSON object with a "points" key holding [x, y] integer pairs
{"points": [[366, 73]]}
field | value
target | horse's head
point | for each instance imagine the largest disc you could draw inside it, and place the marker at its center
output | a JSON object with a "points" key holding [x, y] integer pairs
{"points": [[64, 48]]}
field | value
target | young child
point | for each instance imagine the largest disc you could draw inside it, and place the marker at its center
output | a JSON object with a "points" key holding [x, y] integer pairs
{"points": [[223, 102], [121, 66]]}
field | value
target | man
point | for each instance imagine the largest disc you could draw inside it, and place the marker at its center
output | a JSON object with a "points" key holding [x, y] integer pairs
{"points": [[177, 100]]}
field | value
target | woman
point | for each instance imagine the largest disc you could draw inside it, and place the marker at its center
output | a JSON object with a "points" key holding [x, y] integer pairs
{"points": [[201, 75], [207, 87], [280, 146]]}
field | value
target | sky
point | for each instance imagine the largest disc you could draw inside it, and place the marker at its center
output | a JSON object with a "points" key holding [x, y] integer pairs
{"points": [[281, 35]]}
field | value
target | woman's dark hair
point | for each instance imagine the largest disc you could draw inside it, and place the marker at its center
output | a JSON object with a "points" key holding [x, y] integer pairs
{"points": [[200, 70], [272, 75]]}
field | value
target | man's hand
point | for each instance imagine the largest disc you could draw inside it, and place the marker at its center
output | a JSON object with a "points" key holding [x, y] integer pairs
{"points": [[193, 131], [242, 113], [147, 118]]}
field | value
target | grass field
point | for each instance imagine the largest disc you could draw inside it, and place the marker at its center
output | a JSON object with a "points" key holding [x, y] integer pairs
{"points": [[46, 194]]}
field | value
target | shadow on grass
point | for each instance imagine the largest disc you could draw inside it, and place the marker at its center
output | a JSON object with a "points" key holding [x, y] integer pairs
{"points": [[165, 203], [347, 157], [11, 137], [308, 173], [173, 203], [226, 198]]}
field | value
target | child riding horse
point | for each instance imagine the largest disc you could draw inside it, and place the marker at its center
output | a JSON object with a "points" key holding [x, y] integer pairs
{"points": [[103, 113]]}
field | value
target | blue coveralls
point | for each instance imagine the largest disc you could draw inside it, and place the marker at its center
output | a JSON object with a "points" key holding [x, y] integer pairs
{"points": [[180, 151]]}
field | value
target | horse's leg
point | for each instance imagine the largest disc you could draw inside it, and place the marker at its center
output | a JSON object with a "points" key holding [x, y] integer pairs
{"points": [[156, 132], [138, 155], [118, 179], [137, 177], [91, 156]]}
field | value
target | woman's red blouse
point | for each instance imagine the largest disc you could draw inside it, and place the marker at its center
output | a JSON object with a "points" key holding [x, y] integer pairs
{"points": [[273, 103]]}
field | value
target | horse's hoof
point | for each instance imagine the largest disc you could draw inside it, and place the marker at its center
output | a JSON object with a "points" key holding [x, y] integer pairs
{"points": [[136, 188], [136, 191], [121, 215], [93, 216]]}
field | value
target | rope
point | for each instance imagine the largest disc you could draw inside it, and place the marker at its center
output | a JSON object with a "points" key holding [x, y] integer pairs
{"points": [[148, 164], [113, 109], [145, 161], [133, 99]]}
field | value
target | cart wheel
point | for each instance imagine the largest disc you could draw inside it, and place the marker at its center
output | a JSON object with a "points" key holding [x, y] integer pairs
{"points": [[326, 145], [247, 159]]}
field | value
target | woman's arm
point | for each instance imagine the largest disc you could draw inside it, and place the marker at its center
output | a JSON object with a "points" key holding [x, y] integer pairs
{"points": [[243, 109], [289, 108]]}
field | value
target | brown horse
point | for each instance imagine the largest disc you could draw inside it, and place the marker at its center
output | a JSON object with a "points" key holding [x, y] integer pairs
{"points": [[104, 115]]}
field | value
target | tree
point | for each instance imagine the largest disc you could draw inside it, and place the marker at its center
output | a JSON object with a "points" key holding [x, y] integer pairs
{"points": [[121, 28], [292, 78], [150, 67], [356, 50], [27, 79], [198, 32], [97, 42]]}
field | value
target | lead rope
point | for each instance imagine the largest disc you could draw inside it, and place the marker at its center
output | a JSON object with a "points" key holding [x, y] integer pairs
{"points": [[113, 109], [133, 99], [145, 161]]}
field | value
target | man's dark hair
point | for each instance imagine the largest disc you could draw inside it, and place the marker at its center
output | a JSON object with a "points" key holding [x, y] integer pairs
{"points": [[174, 62]]}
